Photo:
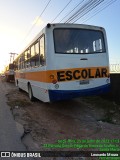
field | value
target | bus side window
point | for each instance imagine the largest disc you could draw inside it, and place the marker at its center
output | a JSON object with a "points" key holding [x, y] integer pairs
{"points": [[32, 56], [23, 61], [19, 63], [42, 51], [37, 54], [27, 58]]}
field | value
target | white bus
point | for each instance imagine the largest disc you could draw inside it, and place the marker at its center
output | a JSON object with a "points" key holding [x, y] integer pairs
{"points": [[64, 61]]}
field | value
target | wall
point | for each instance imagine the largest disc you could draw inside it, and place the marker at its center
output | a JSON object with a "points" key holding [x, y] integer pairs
{"points": [[115, 86]]}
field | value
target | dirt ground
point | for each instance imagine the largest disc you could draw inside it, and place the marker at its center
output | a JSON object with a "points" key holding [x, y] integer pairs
{"points": [[88, 118]]}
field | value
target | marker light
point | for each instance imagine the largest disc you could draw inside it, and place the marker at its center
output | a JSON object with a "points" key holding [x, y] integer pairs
{"points": [[51, 76], [48, 25]]}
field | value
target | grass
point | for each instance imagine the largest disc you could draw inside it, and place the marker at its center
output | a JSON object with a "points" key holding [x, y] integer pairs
{"points": [[99, 102], [106, 105], [19, 103]]}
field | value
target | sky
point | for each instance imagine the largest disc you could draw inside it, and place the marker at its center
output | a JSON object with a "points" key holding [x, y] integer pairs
{"points": [[18, 24]]}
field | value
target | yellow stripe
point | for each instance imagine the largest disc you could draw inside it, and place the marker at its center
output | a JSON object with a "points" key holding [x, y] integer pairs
{"points": [[69, 74]]}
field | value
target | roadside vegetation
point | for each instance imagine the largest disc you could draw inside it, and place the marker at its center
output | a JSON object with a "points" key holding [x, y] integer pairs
{"points": [[111, 109]]}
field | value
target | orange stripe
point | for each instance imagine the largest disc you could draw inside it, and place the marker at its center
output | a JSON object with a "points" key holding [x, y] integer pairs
{"points": [[44, 76]]}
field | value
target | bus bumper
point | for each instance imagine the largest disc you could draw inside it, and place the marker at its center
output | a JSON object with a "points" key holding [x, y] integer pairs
{"points": [[57, 95]]}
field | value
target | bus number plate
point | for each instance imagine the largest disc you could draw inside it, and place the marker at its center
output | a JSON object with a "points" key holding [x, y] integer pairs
{"points": [[82, 82]]}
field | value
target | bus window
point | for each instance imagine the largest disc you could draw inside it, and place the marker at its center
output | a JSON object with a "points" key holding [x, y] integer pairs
{"points": [[97, 45], [32, 51], [19, 63], [25, 55], [32, 60], [28, 54], [37, 48], [27, 63], [42, 51], [27, 58], [23, 61], [37, 54], [74, 41]]}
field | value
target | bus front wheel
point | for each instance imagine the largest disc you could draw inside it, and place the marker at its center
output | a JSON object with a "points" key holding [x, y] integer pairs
{"points": [[30, 93]]}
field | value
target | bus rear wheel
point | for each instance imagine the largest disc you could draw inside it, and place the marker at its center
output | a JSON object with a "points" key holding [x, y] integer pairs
{"points": [[30, 93]]}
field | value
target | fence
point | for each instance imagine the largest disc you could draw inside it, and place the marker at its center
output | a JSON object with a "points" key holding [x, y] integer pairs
{"points": [[115, 68]]}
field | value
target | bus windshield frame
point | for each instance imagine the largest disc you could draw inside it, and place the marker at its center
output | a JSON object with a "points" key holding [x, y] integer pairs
{"points": [[78, 41]]}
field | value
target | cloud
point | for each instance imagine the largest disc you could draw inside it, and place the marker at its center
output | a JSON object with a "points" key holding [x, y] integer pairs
{"points": [[38, 21]]}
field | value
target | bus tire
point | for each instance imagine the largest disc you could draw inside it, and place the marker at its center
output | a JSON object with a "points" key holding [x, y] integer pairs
{"points": [[20, 89], [30, 93]]}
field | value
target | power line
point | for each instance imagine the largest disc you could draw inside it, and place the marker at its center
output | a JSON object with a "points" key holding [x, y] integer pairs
{"points": [[94, 11], [80, 9], [87, 15], [71, 10], [99, 10], [91, 7], [44, 8], [37, 20], [61, 11], [85, 9], [84, 12]]}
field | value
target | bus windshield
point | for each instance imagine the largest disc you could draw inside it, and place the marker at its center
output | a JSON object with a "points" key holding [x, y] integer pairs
{"points": [[78, 41]]}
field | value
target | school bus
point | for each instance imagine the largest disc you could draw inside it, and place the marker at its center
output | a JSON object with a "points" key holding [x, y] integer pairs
{"points": [[64, 61]]}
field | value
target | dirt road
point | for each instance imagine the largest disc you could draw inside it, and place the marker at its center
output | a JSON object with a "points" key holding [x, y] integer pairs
{"points": [[89, 118], [10, 130]]}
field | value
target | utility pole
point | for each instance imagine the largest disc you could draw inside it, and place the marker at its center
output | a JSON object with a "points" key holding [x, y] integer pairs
{"points": [[12, 57]]}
